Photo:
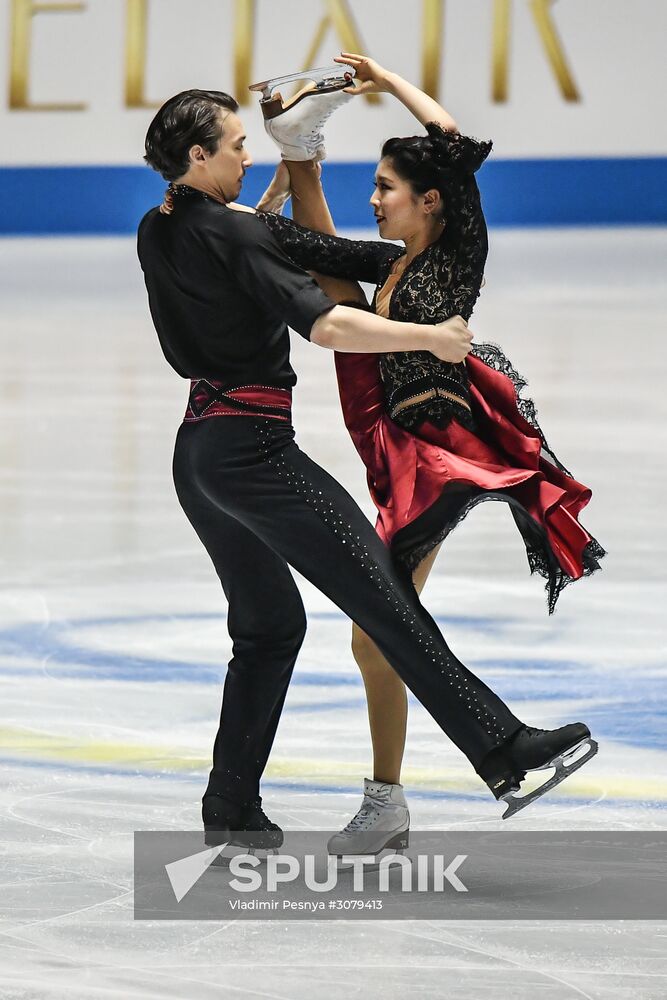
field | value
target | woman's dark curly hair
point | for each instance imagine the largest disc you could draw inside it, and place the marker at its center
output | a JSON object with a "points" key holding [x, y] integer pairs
{"points": [[189, 119], [442, 160]]}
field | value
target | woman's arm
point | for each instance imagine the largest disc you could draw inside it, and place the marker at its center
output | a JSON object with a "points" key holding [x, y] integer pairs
{"points": [[461, 252], [357, 260], [333, 256], [373, 78], [303, 181]]}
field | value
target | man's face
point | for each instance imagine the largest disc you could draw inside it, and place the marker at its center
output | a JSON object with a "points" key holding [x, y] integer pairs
{"points": [[226, 167]]}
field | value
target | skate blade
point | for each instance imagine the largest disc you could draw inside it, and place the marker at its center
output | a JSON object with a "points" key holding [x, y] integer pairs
{"points": [[232, 851], [565, 764], [343, 867], [321, 76]]}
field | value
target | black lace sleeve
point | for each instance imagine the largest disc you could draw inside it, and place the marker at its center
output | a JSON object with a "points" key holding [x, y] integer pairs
{"points": [[357, 260], [464, 243]]}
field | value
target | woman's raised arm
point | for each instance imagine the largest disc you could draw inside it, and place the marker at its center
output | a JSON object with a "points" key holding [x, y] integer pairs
{"points": [[373, 78]]}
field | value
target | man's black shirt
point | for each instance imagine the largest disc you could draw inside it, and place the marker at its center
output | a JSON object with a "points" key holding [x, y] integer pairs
{"points": [[222, 292]]}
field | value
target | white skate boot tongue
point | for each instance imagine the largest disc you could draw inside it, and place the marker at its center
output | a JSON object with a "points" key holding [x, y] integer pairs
{"points": [[377, 789], [384, 793]]}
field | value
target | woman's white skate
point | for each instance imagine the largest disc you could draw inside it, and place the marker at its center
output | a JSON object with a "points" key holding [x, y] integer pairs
{"points": [[296, 126], [381, 824]]}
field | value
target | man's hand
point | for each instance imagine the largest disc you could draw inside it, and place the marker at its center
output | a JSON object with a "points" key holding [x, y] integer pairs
{"points": [[452, 340]]}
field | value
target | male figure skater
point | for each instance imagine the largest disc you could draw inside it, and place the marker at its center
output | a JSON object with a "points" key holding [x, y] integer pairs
{"points": [[221, 294]]}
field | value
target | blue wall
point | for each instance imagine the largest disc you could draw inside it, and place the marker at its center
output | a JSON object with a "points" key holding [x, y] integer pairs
{"points": [[564, 192]]}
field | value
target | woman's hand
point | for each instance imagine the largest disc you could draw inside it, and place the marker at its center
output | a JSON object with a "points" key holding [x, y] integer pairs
{"points": [[452, 340], [370, 76], [167, 206]]}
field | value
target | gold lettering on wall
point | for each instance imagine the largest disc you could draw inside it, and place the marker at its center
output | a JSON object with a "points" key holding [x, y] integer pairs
{"points": [[551, 43], [136, 40], [340, 18], [136, 32], [337, 16], [500, 49], [553, 48], [23, 12], [244, 22], [432, 42]]}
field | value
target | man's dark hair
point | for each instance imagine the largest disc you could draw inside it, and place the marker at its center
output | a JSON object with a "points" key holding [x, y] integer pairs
{"points": [[189, 119]]}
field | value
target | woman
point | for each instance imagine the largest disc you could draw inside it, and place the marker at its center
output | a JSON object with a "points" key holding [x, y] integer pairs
{"points": [[436, 438]]}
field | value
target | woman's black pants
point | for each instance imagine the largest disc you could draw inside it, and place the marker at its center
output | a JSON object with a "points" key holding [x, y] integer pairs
{"points": [[259, 504]]}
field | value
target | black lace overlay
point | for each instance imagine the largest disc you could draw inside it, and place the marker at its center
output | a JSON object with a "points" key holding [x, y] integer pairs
{"points": [[441, 282], [357, 260], [493, 357], [415, 542]]}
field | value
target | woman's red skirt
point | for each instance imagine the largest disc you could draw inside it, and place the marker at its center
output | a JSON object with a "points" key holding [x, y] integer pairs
{"points": [[424, 482]]}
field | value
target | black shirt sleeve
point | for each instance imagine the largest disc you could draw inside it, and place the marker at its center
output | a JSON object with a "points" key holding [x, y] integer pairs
{"points": [[250, 254]]}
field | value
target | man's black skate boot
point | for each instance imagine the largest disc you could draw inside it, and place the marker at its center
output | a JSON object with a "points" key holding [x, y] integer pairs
{"points": [[258, 826], [529, 749], [533, 749], [247, 825]]}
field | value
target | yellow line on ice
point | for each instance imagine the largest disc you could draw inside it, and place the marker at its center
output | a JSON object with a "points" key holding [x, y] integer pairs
{"points": [[26, 744]]}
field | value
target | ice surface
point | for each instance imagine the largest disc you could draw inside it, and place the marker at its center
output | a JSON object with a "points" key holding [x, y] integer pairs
{"points": [[113, 641]]}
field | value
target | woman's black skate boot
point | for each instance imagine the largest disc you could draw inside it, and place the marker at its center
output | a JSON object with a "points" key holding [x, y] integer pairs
{"points": [[246, 825], [565, 749]]}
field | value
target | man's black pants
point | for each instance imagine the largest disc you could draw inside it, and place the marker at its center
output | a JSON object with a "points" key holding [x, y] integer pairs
{"points": [[258, 503]]}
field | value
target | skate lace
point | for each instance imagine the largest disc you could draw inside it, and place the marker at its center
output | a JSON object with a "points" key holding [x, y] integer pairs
{"points": [[319, 122], [315, 135], [326, 115], [364, 818], [260, 820], [369, 812]]}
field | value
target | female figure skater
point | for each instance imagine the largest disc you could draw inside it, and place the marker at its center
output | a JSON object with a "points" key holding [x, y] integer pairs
{"points": [[436, 438]]}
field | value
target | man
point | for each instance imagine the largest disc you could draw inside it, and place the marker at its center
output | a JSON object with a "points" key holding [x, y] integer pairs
{"points": [[221, 294]]}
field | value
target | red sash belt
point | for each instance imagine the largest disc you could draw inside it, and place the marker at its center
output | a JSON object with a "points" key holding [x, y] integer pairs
{"points": [[209, 399]]}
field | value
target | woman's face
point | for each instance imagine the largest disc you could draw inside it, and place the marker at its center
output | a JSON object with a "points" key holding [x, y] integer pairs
{"points": [[398, 211]]}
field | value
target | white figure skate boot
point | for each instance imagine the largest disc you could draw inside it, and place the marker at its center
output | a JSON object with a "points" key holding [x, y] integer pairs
{"points": [[296, 126], [382, 822]]}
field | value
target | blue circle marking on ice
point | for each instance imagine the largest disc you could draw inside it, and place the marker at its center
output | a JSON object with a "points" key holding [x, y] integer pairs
{"points": [[630, 708]]}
